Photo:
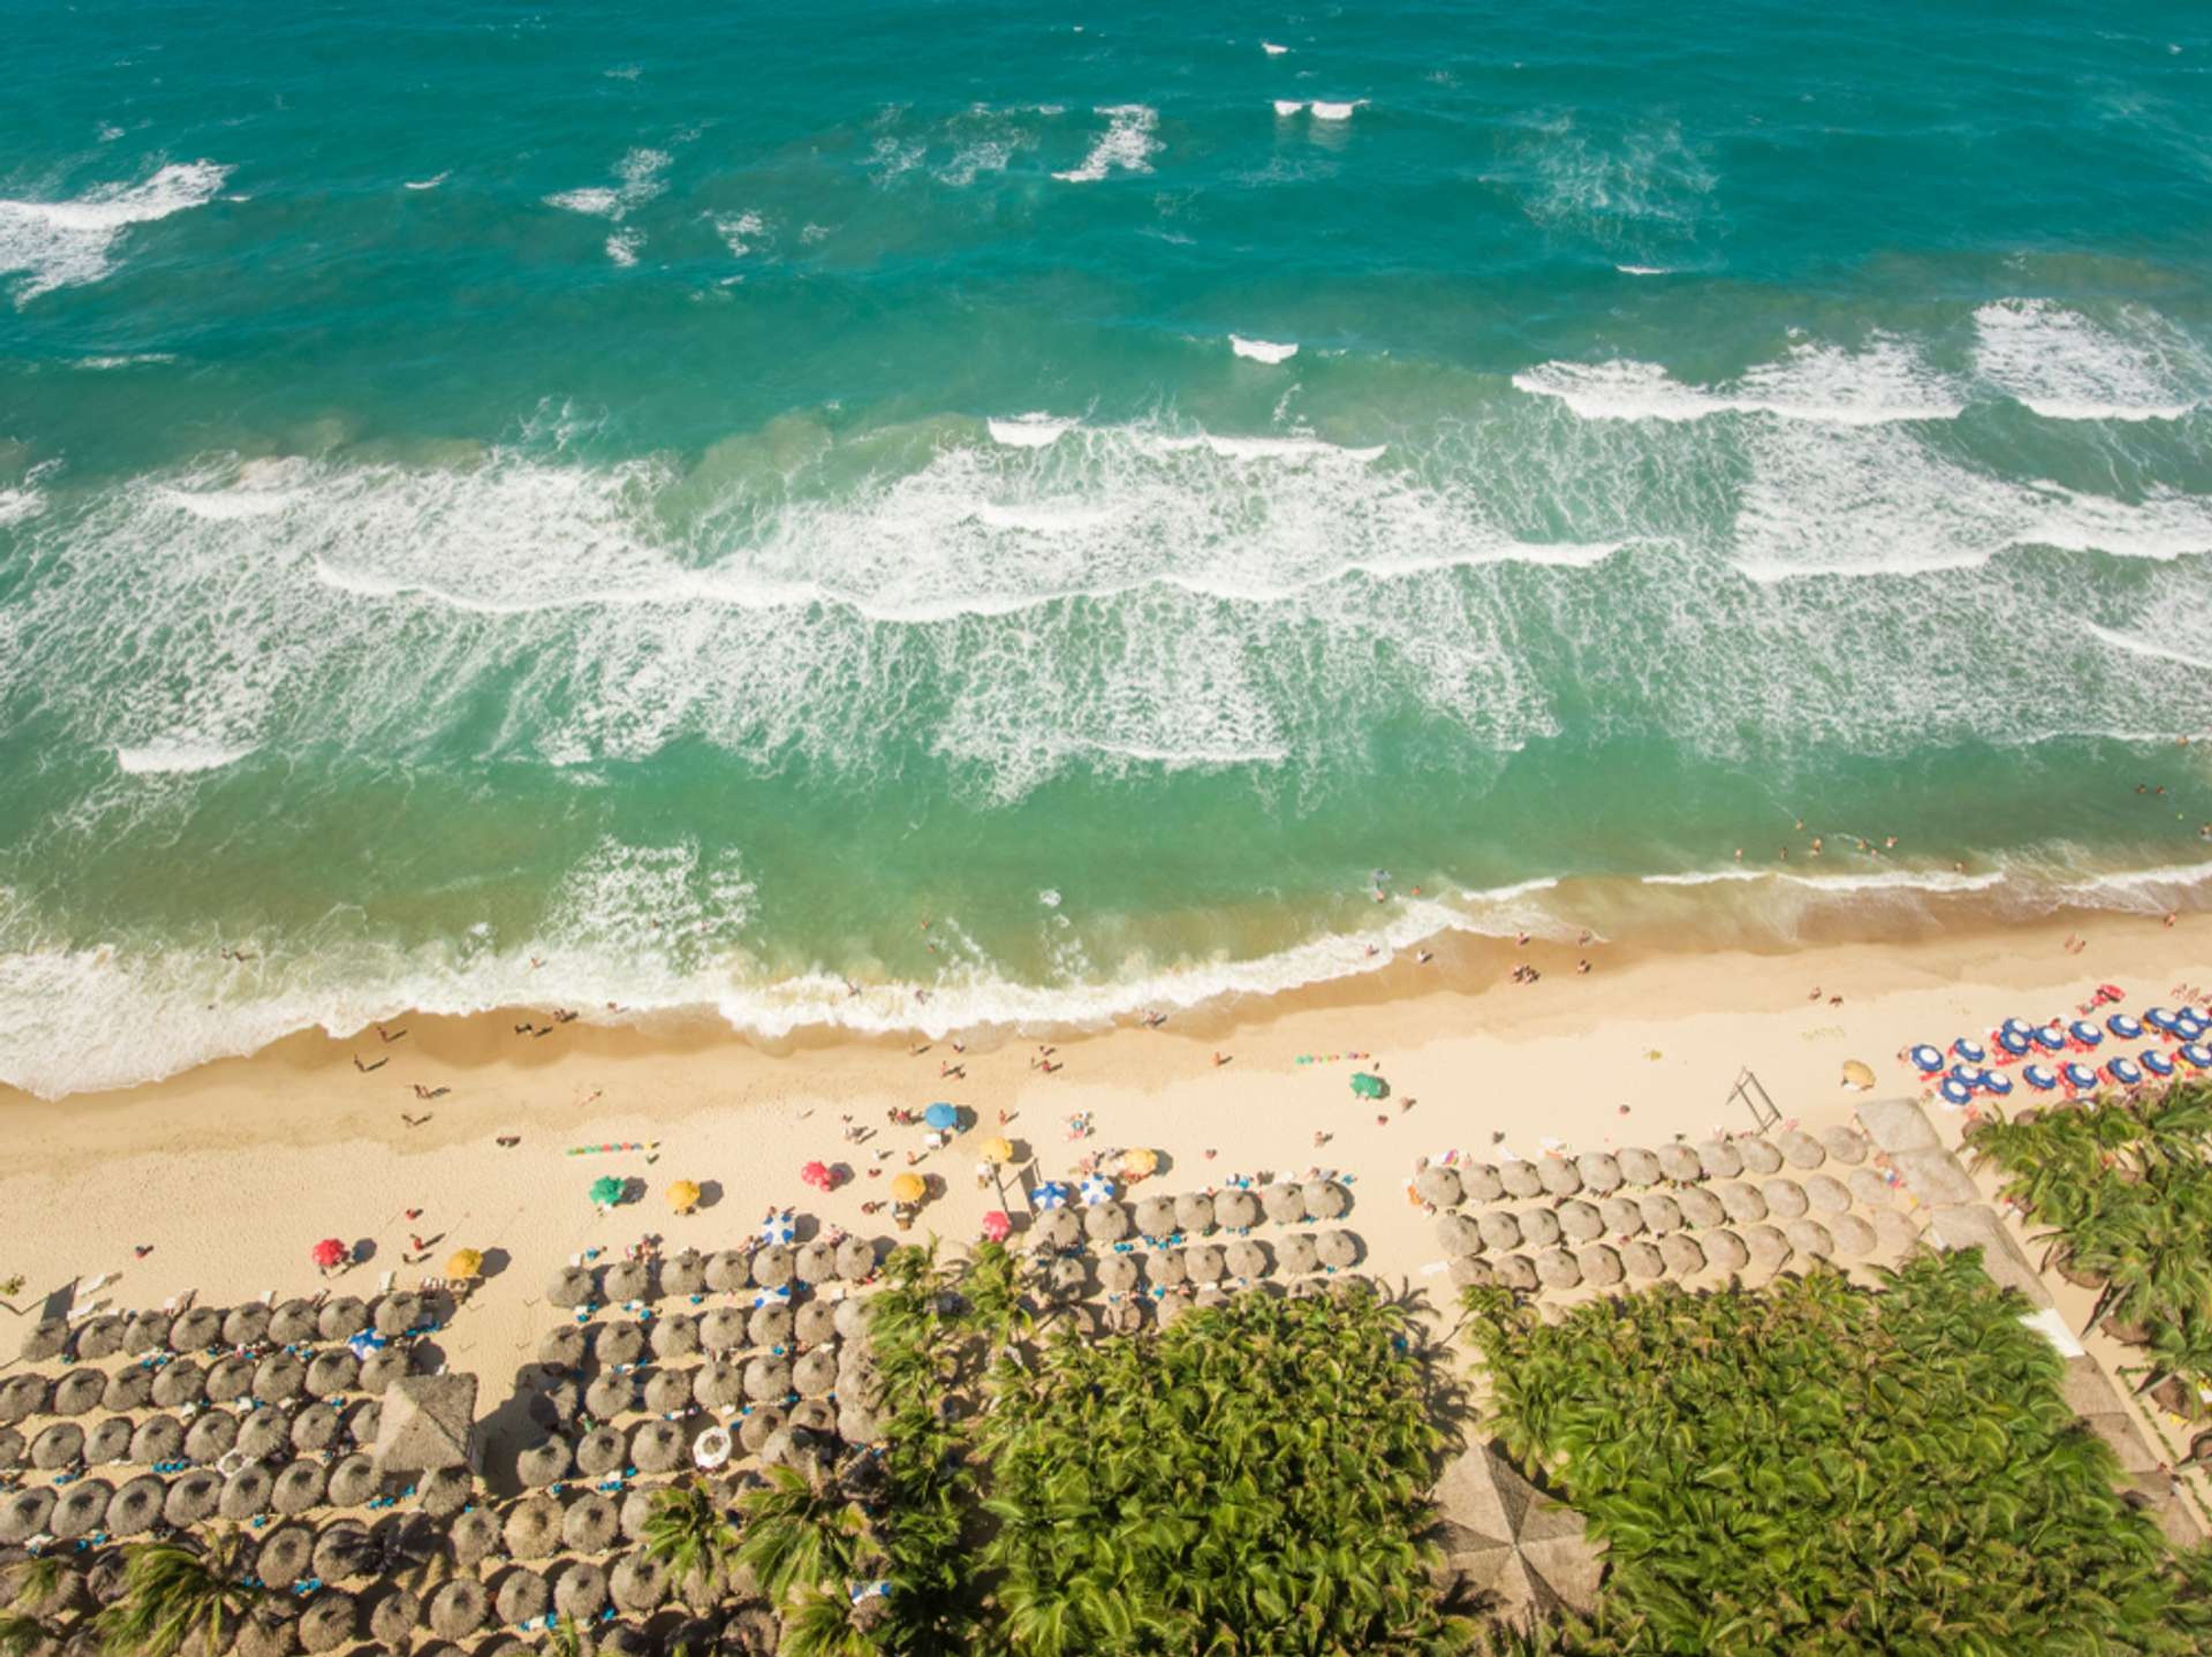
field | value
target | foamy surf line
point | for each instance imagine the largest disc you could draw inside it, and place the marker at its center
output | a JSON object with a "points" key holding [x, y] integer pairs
{"points": [[91, 1020]]}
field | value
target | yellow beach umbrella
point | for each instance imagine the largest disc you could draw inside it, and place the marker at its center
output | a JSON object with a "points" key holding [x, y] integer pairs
{"points": [[1858, 1074], [466, 1263], [998, 1150], [1138, 1162], [683, 1196], [908, 1188]]}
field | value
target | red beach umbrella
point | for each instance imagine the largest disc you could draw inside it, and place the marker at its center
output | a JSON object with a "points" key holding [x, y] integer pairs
{"points": [[818, 1175], [996, 1227], [328, 1252]]}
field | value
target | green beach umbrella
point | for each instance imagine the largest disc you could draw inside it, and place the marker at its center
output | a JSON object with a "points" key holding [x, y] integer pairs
{"points": [[1370, 1087], [606, 1191]]}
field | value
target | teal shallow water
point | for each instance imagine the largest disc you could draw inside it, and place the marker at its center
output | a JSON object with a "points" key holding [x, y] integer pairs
{"points": [[686, 501]]}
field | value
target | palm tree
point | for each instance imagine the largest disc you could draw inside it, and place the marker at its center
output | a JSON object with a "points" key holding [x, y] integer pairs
{"points": [[687, 1530], [176, 1593], [798, 1536], [562, 1640], [39, 1595], [825, 1624]]}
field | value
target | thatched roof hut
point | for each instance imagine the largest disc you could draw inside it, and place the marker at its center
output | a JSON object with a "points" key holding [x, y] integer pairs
{"points": [[428, 1422]]}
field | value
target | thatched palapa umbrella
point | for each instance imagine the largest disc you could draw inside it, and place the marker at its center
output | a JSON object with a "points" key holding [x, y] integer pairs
{"points": [[1681, 1254], [383, 1367], [626, 1281], [1337, 1250], [1767, 1246], [722, 1330], [1846, 1145], [47, 1338], [82, 1506], [720, 1382], [299, 1487], [1579, 1221], [1810, 1238], [78, 1392], [562, 1347], [1540, 1228], [533, 1530], [1639, 1259], [614, 1344], [397, 1312], [331, 1372], [659, 1447], [212, 1433], [279, 1376], [1459, 1234], [766, 1378], [1246, 1260], [353, 1480], [57, 1447], [444, 1492], [294, 1321], [544, 1463], [1701, 1207], [1235, 1211], [1193, 1213], [315, 1430], [1285, 1204], [728, 1270], [1622, 1216], [1681, 1163], [287, 1554], [1758, 1155], [1106, 1223], [246, 1493], [675, 1336], [1827, 1193], [684, 1274], [1559, 1176], [815, 1374], [1326, 1199], [136, 1505], [1516, 1272], [342, 1549], [1118, 1273], [1170, 1269], [127, 1390], [1156, 1216], [772, 1266], [101, 1336], [178, 1384], [342, 1319], [1501, 1232], [591, 1525], [1743, 1201], [1785, 1198], [572, 1286], [1720, 1158], [755, 1428], [1438, 1184], [475, 1536], [770, 1324], [159, 1438], [1853, 1236], [1521, 1179], [1470, 1272], [146, 1331], [264, 1434], [580, 1591], [24, 1514], [814, 1323], [24, 1396], [609, 1395], [851, 1318], [600, 1452], [457, 1610], [667, 1391], [1600, 1171], [856, 1260], [1204, 1263], [638, 1583], [1638, 1166], [1059, 1228], [815, 1262], [1800, 1149], [328, 1622], [521, 1596], [393, 1613]]}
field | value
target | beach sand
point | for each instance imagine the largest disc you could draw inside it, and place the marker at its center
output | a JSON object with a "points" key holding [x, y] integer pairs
{"points": [[232, 1172]]}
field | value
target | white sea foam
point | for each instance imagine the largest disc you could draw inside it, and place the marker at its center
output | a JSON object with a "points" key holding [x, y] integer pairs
{"points": [[2064, 366], [1288, 107], [1885, 381], [176, 754], [1029, 430], [17, 505], [1612, 186], [623, 244], [2158, 650], [62, 244], [741, 231], [1644, 270], [1335, 112], [135, 360], [1261, 350], [429, 183], [1272, 49], [1130, 142], [641, 174]]}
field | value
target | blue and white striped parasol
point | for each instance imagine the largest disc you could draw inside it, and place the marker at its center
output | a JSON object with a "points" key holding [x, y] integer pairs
{"points": [[2038, 1077], [778, 1228], [1926, 1059], [2123, 1070], [2123, 1026], [1954, 1092], [1053, 1194], [2198, 1058], [2085, 1033], [2155, 1062], [1097, 1189], [2080, 1075]]}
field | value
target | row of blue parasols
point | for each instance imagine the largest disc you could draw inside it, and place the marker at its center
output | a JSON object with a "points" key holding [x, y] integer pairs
{"points": [[1096, 1188], [1964, 1071]]}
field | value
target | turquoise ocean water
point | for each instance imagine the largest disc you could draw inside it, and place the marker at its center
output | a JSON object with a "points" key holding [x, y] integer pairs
{"points": [[685, 496]]}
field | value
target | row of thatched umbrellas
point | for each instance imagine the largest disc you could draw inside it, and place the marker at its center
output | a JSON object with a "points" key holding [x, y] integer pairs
{"points": [[1601, 1173], [205, 1330], [774, 1265], [1676, 1253], [161, 1439], [182, 1383], [1659, 1214], [1193, 1214], [1243, 1259]]}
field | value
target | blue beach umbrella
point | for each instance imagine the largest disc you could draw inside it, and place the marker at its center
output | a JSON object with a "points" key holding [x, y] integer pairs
{"points": [[2159, 1019], [1954, 1092], [2123, 1070], [1926, 1059], [2018, 1027], [1097, 1189], [1970, 1051], [364, 1343], [1996, 1083], [2155, 1062], [2198, 1058], [2087, 1033], [2050, 1038], [1053, 1194], [778, 1296], [778, 1228], [2013, 1042], [2188, 1026], [2038, 1077], [2123, 1026], [942, 1117], [2080, 1075]]}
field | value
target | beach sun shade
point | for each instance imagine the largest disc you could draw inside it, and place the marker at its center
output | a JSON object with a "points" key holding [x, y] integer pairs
{"points": [[368, 1342], [2038, 1077], [2017, 1026], [2050, 1038], [1138, 1161], [908, 1188], [2188, 1026], [2013, 1042], [1966, 1073], [1955, 1092], [2087, 1033], [2159, 1019], [1368, 1087], [466, 1263], [684, 1196], [1996, 1082], [1926, 1059], [2198, 1057], [2123, 1026], [998, 1152], [1097, 1189], [816, 1174], [942, 1117], [2123, 1071], [1053, 1194], [328, 1252], [606, 1191], [2080, 1075], [2155, 1062], [1970, 1051], [778, 1228], [997, 1228]]}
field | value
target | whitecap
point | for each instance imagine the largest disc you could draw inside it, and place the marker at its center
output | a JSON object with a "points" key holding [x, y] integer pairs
{"points": [[1884, 381], [169, 755], [623, 247], [1129, 144], [1272, 49], [64, 244], [429, 183], [2064, 366], [1261, 350], [1341, 111], [1288, 107], [1028, 431]]}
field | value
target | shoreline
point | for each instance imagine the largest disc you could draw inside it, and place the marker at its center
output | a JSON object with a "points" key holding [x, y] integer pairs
{"points": [[1769, 910]]}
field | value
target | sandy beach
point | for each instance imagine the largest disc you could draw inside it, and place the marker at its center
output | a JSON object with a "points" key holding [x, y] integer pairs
{"points": [[226, 1176]]}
